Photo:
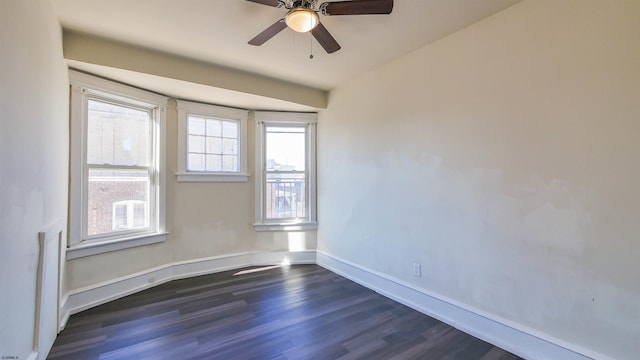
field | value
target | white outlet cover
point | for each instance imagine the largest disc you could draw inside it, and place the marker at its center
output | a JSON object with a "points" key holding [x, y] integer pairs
{"points": [[417, 271]]}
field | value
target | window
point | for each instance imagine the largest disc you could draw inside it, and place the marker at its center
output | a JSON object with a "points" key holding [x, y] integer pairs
{"points": [[117, 184], [129, 214], [285, 164], [211, 145]]}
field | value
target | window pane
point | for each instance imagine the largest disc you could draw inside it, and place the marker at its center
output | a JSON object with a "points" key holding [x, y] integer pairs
{"points": [[196, 144], [214, 145], [229, 129], [214, 162], [229, 163], [119, 217], [108, 187], [196, 126], [140, 218], [285, 196], [285, 148], [195, 162], [117, 135], [230, 146], [214, 128], [218, 145]]}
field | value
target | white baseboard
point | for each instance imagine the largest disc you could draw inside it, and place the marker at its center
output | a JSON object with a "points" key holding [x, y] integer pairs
{"points": [[65, 312], [87, 297], [520, 340]]}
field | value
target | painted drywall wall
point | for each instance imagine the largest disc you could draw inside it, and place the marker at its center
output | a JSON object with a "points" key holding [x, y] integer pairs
{"points": [[33, 158], [97, 50], [105, 267], [504, 160]]}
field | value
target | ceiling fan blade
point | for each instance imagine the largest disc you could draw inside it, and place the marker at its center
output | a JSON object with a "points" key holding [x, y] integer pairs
{"points": [[325, 39], [274, 3], [357, 7], [268, 33]]}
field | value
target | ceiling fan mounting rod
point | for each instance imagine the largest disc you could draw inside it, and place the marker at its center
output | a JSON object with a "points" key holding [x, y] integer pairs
{"points": [[306, 4]]}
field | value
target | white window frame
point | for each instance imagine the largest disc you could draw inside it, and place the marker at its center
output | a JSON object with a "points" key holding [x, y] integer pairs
{"points": [[186, 108], [264, 119], [83, 88]]}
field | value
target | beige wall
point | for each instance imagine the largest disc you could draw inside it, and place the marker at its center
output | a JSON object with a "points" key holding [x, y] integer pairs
{"points": [[33, 158], [100, 51], [504, 159]]}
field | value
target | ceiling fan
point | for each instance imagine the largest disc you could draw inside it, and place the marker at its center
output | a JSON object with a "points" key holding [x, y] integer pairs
{"points": [[302, 16]]}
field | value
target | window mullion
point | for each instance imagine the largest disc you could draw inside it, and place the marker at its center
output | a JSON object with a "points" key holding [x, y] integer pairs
{"points": [[286, 172], [118, 167]]}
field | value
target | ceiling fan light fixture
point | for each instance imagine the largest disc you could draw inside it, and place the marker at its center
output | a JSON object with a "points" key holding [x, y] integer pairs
{"points": [[302, 19]]}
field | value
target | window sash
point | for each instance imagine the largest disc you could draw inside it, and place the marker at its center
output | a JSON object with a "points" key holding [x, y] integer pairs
{"points": [[235, 162], [285, 197], [151, 116], [206, 154], [151, 201], [268, 200]]}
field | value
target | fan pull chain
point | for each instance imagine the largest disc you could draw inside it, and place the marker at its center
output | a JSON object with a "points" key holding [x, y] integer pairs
{"points": [[310, 46]]}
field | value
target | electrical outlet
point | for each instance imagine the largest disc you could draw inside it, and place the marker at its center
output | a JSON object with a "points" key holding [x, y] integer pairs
{"points": [[417, 270]]}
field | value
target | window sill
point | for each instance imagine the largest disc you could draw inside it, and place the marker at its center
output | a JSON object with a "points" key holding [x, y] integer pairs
{"points": [[207, 177], [302, 226], [98, 247]]}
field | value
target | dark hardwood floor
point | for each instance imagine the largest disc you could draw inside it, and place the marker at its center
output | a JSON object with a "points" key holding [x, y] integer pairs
{"points": [[291, 312]]}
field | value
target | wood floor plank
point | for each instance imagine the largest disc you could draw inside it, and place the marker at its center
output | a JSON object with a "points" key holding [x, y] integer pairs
{"points": [[288, 312]]}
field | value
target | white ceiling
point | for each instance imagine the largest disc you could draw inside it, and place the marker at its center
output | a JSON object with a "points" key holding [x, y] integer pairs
{"points": [[217, 31]]}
